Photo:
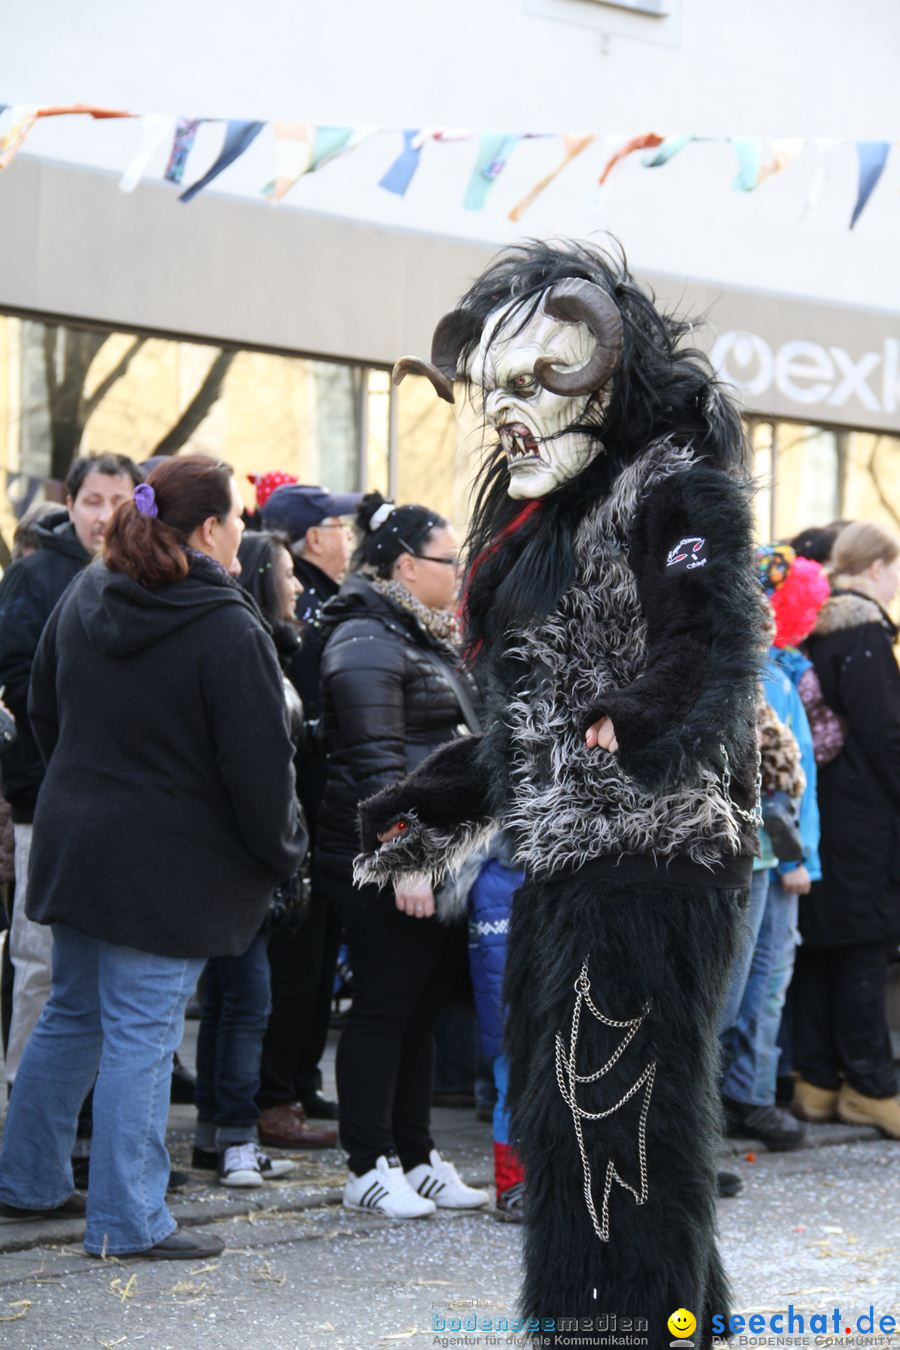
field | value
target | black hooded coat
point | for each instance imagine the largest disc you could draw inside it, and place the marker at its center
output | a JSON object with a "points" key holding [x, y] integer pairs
{"points": [[168, 812], [858, 898], [30, 588]]}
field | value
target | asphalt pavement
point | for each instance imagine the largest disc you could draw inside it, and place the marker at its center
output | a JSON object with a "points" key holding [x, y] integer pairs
{"points": [[815, 1229]]}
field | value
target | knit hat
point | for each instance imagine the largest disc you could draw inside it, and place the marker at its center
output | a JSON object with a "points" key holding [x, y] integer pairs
{"points": [[266, 483]]}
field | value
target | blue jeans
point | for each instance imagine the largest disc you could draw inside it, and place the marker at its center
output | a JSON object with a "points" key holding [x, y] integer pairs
{"points": [[751, 1045], [750, 926], [236, 1003], [118, 1015]]}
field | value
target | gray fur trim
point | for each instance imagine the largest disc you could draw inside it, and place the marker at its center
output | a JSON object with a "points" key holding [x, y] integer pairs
{"points": [[424, 854], [846, 610], [569, 803]]}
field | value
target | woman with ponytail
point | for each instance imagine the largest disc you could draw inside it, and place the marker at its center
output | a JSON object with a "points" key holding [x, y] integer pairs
{"points": [[166, 818], [392, 691]]}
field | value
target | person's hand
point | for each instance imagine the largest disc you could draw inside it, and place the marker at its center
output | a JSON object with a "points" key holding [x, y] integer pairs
{"points": [[797, 882], [415, 900], [602, 735]]}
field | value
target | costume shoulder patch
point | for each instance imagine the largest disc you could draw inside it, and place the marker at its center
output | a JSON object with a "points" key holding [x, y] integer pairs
{"points": [[688, 554]]}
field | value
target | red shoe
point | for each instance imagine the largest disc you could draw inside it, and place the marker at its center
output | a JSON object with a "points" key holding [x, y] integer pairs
{"points": [[286, 1126]]}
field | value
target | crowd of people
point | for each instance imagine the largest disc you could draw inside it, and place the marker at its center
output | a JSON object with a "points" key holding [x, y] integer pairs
{"points": [[197, 700]]}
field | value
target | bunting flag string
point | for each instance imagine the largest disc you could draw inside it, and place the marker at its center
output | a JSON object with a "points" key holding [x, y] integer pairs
{"points": [[403, 170], [573, 146], [182, 144], [301, 148], [649, 141], [157, 130], [238, 136], [494, 150], [872, 157]]}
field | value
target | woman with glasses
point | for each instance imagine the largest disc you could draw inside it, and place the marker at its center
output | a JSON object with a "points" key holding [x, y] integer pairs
{"points": [[392, 691]]}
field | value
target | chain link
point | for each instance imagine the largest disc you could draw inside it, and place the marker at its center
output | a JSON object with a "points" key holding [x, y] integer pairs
{"points": [[566, 1070], [754, 817]]}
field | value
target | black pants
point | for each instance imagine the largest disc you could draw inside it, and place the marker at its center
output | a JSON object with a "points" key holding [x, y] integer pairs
{"points": [[302, 968], [840, 1023], [403, 970]]}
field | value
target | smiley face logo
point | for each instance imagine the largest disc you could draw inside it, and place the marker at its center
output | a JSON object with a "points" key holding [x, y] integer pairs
{"points": [[682, 1323]]}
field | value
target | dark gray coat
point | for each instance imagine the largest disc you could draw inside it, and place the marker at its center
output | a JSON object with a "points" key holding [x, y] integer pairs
{"points": [[168, 812]]}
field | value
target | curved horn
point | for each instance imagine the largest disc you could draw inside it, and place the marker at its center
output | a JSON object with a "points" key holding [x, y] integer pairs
{"points": [[578, 301], [412, 365], [441, 369]]}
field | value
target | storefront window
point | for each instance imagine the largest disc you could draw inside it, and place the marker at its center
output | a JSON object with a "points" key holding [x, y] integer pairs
{"points": [[67, 389]]}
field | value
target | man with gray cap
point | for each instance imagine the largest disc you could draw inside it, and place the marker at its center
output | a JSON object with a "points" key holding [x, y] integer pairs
{"points": [[302, 964]]}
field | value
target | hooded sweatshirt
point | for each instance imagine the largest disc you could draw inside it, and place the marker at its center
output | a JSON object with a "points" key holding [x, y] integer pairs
{"points": [[168, 811], [30, 588]]}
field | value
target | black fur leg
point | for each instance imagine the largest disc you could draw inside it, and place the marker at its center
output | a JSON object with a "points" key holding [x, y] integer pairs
{"points": [[668, 947]]}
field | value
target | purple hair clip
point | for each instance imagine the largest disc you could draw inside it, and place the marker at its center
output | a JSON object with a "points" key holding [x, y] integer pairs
{"points": [[145, 500]]}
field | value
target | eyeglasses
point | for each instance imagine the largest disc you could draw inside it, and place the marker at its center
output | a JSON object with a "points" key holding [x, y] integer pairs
{"points": [[445, 562]]}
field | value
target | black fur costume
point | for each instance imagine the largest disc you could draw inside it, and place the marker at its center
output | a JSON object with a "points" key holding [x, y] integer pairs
{"points": [[627, 592]]}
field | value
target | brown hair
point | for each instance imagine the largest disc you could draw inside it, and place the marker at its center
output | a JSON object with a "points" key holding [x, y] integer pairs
{"points": [[859, 546], [151, 549]]}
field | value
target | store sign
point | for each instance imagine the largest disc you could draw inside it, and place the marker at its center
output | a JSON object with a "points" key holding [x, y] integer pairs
{"points": [[806, 373]]}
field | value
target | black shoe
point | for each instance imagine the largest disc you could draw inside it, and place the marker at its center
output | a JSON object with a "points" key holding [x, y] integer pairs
{"points": [[205, 1159], [182, 1245], [510, 1206], [73, 1208], [81, 1168], [729, 1184], [318, 1107], [777, 1129], [177, 1180], [181, 1091]]}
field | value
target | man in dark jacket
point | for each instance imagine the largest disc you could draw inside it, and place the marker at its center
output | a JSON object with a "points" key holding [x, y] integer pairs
{"points": [[69, 538], [303, 963]]}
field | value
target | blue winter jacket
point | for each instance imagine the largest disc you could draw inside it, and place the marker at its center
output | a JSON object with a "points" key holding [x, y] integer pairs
{"points": [[784, 668], [490, 905]]}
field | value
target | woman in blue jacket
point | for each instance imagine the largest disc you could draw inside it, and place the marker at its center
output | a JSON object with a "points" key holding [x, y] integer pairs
{"points": [[797, 589]]}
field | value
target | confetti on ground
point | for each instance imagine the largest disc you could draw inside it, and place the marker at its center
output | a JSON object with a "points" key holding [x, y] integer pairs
{"points": [[22, 1304], [124, 1291]]}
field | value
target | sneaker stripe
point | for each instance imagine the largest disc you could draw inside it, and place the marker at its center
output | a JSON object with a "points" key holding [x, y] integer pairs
{"points": [[364, 1199], [377, 1198]]}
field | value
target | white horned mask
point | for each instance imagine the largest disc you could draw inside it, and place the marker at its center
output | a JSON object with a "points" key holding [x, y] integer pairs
{"points": [[544, 381]]}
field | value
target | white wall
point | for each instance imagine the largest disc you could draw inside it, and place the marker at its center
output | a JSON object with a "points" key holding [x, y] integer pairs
{"points": [[820, 68]]}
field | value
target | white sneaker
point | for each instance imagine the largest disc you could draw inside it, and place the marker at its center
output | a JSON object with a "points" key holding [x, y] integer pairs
{"points": [[440, 1182], [247, 1165], [385, 1190]]}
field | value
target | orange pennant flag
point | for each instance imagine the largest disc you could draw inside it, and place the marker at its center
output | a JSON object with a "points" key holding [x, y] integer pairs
{"points": [[647, 142], [573, 146]]}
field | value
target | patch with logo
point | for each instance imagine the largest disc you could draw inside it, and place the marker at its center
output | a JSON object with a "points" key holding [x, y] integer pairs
{"points": [[688, 554]]}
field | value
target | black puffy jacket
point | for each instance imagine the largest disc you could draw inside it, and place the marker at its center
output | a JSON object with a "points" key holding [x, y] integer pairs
{"points": [[384, 708]]}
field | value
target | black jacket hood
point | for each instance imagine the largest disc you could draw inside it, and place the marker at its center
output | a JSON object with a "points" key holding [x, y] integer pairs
{"points": [[57, 533], [358, 599], [122, 617]]}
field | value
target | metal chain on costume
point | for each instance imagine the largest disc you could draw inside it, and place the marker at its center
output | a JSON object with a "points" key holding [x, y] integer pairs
{"points": [[754, 817], [566, 1070]]}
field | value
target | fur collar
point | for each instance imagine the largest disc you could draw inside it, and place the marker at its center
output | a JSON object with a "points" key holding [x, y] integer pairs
{"points": [[852, 609]]}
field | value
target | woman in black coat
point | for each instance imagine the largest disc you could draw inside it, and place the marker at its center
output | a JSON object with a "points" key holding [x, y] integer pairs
{"points": [[166, 818], [391, 693], [237, 989], [850, 922]]}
